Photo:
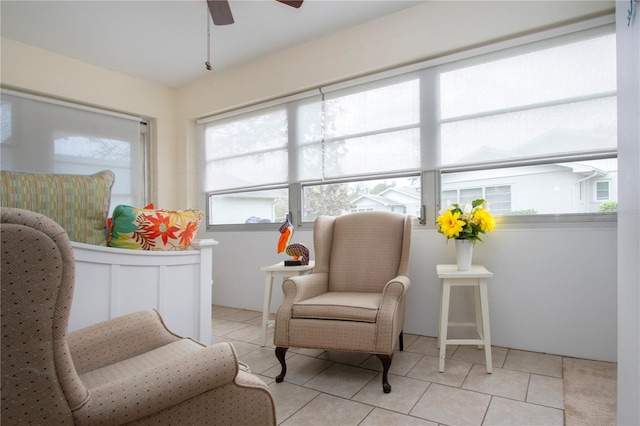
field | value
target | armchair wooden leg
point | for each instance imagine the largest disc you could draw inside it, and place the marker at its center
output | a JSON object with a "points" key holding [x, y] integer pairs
{"points": [[386, 363], [280, 352], [401, 340]]}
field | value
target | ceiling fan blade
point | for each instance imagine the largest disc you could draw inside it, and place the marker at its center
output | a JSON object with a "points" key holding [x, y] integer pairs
{"points": [[220, 12], [292, 3]]}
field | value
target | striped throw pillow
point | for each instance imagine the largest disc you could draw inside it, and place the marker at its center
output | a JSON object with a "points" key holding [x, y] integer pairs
{"points": [[78, 203]]}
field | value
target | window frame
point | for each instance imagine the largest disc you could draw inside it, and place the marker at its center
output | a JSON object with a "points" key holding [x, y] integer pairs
{"points": [[430, 169]]}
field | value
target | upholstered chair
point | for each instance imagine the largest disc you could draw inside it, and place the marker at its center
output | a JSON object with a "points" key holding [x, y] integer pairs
{"points": [[129, 370], [355, 298]]}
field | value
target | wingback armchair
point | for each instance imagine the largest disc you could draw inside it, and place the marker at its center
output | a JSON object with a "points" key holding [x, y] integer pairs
{"points": [[128, 370], [355, 298]]}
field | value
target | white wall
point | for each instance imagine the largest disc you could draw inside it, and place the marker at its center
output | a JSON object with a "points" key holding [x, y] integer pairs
{"points": [[553, 291], [628, 39]]}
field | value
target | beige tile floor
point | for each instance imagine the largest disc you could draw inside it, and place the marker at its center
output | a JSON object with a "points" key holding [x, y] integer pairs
{"points": [[336, 388]]}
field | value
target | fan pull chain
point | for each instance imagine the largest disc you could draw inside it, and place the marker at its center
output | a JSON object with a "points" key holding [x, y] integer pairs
{"points": [[208, 63]]}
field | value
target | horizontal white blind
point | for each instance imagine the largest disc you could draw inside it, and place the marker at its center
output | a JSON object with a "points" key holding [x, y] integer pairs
{"points": [[374, 129], [46, 136], [552, 101], [246, 150]]}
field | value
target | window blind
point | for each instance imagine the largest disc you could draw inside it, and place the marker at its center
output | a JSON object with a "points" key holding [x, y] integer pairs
{"points": [[45, 136]]}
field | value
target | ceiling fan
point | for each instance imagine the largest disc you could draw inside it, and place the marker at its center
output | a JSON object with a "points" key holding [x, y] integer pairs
{"points": [[221, 12]]}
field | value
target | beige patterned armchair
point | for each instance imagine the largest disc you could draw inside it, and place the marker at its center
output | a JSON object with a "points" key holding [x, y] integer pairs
{"points": [[129, 370], [355, 298]]}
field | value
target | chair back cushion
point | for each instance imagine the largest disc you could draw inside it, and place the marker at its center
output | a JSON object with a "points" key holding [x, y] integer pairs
{"points": [[367, 250], [39, 383]]}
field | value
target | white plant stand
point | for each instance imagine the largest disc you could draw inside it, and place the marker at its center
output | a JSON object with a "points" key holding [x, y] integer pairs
{"points": [[476, 277]]}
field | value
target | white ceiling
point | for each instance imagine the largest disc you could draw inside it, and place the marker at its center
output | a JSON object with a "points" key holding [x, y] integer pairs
{"points": [[165, 41]]}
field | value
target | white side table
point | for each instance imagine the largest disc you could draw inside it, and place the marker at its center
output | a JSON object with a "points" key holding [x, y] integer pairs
{"points": [[271, 272], [477, 278]]}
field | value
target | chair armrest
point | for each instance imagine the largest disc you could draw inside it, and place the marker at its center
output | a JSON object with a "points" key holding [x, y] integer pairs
{"points": [[164, 386], [296, 289], [391, 314], [396, 288], [392, 297], [117, 339], [305, 286]]}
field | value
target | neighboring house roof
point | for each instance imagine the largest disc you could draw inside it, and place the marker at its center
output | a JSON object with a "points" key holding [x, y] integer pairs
{"points": [[411, 192], [586, 169], [375, 198], [386, 198]]}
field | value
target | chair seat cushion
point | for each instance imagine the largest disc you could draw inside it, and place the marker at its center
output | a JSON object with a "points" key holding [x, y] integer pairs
{"points": [[138, 364], [340, 305]]}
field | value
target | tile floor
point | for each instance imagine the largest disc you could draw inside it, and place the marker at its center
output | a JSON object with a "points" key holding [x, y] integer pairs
{"points": [[337, 388]]}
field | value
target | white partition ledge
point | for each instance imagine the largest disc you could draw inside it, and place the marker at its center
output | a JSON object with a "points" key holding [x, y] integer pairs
{"points": [[111, 282]]}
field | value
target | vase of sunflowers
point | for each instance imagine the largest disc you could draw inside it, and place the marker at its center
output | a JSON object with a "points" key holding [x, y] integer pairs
{"points": [[464, 254], [465, 225]]}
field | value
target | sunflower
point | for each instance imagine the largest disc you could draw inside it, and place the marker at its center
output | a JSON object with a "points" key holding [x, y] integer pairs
{"points": [[484, 219], [450, 223]]}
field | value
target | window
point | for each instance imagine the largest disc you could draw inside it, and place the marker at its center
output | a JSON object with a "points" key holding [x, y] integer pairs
{"points": [[345, 149], [498, 197], [552, 101], [530, 128], [602, 191], [369, 130], [554, 188], [260, 206], [249, 151], [248, 160], [45, 136], [543, 106], [398, 195], [372, 131]]}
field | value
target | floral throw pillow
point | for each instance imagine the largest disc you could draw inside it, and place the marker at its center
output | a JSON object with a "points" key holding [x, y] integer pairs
{"points": [[153, 229]]}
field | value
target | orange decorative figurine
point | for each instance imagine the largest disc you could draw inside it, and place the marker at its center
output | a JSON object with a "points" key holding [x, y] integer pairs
{"points": [[300, 252]]}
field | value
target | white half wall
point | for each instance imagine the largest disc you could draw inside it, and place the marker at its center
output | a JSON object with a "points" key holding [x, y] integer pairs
{"points": [[553, 290]]}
